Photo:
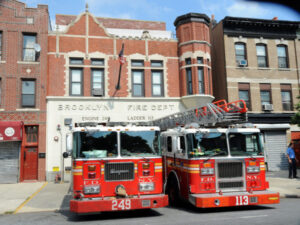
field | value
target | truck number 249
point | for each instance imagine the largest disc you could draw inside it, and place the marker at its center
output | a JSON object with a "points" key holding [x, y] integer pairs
{"points": [[121, 205], [241, 200]]}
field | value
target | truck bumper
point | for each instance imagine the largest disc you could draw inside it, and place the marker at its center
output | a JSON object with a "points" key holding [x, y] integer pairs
{"points": [[234, 199], [120, 204]]}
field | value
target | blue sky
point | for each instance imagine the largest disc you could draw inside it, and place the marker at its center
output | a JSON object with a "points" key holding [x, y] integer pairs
{"points": [[167, 10]]}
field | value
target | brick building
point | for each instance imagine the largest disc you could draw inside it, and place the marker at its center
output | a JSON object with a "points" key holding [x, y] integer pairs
{"points": [[161, 75], [23, 75], [258, 61]]}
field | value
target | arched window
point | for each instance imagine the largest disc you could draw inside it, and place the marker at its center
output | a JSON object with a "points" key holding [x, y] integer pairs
{"points": [[240, 53], [282, 56], [261, 53]]}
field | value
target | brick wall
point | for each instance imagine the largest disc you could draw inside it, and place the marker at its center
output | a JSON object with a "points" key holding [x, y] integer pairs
{"points": [[15, 20]]}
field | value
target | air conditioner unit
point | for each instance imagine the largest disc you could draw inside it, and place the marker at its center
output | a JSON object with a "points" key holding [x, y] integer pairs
{"points": [[243, 62], [97, 91], [267, 107]]}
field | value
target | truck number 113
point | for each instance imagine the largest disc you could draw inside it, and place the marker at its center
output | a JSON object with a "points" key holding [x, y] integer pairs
{"points": [[241, 200]]}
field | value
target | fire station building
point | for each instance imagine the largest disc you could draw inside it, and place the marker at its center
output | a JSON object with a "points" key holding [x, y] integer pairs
{"points": [[160, 76]]}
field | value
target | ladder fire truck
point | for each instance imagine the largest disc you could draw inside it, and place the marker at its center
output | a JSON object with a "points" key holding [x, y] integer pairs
{"points": [[116, 167], [212, 158]]}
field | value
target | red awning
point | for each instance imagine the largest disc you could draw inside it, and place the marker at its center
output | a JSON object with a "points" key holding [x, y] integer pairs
{"points": [[11, 130]]}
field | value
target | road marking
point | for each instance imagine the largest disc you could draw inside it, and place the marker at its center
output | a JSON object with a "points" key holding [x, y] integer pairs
{"points": [[247, 217], [28, 199]]}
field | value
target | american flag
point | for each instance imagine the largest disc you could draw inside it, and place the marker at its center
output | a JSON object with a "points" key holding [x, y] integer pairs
{"points": [[121, 55]]}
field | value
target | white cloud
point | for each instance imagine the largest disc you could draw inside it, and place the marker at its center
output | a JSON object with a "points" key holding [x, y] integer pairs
{"points": [[246, 9]]}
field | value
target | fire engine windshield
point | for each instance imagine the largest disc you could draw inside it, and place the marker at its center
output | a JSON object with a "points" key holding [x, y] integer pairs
{"points": [[245, 144], [95, 144], [206, 144], [139, 143]]}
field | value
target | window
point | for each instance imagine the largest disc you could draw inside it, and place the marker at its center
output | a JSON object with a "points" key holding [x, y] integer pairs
{"points": [[200, 80], [97, 82], [28, 93], [261, 52], [169, 144], [286, 97], [29, 42], [156, 63], [137, 63], [76, 82], [282, 56], [138, 83], [188, 61], [189, 81], [97, 62], [244, 94], [31, 134], [265, 94], [209, 79], [0, 45], [76, 61], [240, 52], [157, 83], [182, 144], [199, 60]]}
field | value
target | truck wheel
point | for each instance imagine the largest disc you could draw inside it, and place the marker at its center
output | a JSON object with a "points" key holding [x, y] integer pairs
{"points": [[173, 193]]}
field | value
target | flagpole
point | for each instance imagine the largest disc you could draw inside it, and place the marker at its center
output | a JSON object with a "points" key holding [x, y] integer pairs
{"points": [[121, 59]]}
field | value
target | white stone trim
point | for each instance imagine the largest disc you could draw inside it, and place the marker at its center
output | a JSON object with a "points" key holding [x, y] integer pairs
{"points": [[263, 80], [194, 55]]}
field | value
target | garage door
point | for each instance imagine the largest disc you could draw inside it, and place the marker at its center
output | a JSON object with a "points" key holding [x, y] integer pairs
{"points": [[9, 162], [275, 147]]}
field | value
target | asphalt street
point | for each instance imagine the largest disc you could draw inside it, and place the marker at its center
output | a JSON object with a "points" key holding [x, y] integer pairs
{"points": [[287, 212]]}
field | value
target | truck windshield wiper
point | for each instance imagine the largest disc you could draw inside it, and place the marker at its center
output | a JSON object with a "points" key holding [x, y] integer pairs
{"points": [[214, 154]]}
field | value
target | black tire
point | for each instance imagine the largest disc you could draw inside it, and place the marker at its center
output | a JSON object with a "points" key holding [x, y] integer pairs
{"points": [[173, 193]]}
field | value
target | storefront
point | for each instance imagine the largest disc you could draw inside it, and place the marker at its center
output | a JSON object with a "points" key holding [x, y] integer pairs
{"points": [[10, 149]]}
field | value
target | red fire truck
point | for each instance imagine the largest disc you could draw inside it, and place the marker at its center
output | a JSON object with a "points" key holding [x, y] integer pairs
{"points": [[213, 165], [116, 168]]}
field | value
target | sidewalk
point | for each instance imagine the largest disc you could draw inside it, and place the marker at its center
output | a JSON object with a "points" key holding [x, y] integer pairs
{"points": [[44, 196]]}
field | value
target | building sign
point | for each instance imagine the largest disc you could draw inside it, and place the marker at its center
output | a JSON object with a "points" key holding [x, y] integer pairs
{"points": [[11, 130]]}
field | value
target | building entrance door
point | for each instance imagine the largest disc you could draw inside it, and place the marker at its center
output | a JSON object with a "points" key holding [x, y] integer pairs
{"points": [[30, 163]]}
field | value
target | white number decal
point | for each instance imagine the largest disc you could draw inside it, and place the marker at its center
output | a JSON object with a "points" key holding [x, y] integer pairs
{"points": [[121, 205], [241, 200]]}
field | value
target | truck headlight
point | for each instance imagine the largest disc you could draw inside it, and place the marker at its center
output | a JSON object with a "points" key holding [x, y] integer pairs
{"points": [[146, 186], [88, 190], [207, 171], [253, 169]]}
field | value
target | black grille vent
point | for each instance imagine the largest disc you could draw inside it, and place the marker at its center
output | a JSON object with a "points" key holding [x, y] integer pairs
{"points": [[235, 184], [230, 169], [119, 171]]}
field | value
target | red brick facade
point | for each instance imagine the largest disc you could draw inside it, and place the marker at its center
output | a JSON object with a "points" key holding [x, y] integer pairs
{"points": [[16, 21]]}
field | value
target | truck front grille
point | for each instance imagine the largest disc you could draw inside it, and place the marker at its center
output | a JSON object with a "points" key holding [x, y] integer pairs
{"points": [[119, 171], [230, 169], [230, 175]]}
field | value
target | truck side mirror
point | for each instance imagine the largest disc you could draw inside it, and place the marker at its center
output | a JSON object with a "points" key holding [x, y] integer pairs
{"points": [[65, 154], [69, 143]]}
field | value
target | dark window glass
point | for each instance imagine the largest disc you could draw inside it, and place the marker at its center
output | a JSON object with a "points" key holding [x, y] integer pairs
{"points": [[31, 134], [189, 81], [157, 83], [97, 62], [76, 61], [29, 42], [137, 63], [157, 63], [169, 144], [244, 95], [282, 56], [240, 52], [76, 82], [261, 52], [200, 60], [138, 83], [265, 97], [0, 46], [0, 90], [188, 61], [201, 80], [28, 93], [286, 101]]}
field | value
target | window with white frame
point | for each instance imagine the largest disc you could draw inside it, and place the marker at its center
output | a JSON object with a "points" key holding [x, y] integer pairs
{"points": [[97, 82], [282, 56], [201, 80], [261, 52], [157, 83], [138, 83], [29, 42], [76, 82]]}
